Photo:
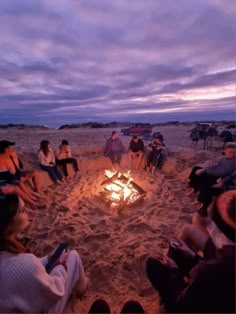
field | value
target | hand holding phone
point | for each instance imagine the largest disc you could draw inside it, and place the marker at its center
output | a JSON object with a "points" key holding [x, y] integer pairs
{"points": [[56, 255]]}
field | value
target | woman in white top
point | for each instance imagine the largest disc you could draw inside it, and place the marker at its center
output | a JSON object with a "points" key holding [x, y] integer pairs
{"points": [[47, 162], [25, 285]]}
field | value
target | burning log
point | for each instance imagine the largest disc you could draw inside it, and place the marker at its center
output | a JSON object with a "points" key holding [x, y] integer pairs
{"points": [[120, 190]]}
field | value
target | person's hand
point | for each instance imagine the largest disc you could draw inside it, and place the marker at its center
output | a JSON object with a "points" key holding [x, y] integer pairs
{"points": [[199, 172], [204, 221], [168, 262], [185, 249], [218, 185], [64, 256], [8, 189]]}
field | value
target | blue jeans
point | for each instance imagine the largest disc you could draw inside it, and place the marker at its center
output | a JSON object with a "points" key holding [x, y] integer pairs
{"points": [[53, 172]]}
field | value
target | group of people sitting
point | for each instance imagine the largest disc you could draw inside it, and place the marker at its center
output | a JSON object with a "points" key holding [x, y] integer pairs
{"points": [[14, 179], [154, 156], [197, 274]]}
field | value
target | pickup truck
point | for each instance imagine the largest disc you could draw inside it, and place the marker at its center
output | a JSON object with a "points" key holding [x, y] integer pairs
{"points": [[138, 129]]}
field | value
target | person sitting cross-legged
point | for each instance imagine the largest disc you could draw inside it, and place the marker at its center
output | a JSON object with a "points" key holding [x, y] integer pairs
{"points": [[64, 157]]}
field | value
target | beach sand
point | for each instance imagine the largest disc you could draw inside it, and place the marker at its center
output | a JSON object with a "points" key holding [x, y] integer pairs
{"points": [[113, 245]]}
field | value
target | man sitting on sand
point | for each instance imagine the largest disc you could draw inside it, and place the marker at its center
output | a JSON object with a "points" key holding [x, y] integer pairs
{"points": [[11, 169], [114, 148], [136, 149], [156, 157], [64, 157], [202, 179]]}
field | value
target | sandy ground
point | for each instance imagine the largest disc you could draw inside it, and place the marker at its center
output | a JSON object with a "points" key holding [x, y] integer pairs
{"points": [[113, 246]]}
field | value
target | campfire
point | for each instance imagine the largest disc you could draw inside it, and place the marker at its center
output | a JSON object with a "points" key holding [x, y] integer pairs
{"points": [[120, 190]]}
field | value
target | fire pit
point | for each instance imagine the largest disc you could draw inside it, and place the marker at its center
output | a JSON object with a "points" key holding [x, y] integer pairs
{"points": [[120, 190]]}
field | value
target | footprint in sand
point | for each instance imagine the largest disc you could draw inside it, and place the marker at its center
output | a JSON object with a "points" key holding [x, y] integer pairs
{"points": [[140, 227]]}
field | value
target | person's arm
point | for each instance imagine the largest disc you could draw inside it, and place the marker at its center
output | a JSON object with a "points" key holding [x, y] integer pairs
{"points": [[53, 159], [69, 155], [42, 159], [58, 153], [107, 147], [198, 296]]}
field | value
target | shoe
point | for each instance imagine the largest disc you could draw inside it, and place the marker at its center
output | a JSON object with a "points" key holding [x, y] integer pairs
{"points": [[99, 306], [132, 307]]}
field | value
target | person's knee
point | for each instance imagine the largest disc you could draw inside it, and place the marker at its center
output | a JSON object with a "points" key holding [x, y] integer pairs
{"points": [[185, 232]]}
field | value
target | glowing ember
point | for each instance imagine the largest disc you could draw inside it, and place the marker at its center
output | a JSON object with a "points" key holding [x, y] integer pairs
{"points": [[120, 190]]}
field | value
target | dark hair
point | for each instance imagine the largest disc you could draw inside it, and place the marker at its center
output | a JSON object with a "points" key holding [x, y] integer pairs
{"points": [[113, 133], [230, 146], [134, 137], [44, 147], [9, 204], [64, 142]]}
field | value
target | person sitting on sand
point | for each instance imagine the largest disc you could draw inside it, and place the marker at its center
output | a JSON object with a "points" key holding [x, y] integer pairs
{"points": [[64, 157], [26, 286], [156, 157], [202, 179], [210, 276], [114, 148], [10, 162], [136, 149], [48, 163]]}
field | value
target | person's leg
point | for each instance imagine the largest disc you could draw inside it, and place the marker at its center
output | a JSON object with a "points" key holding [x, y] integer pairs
{"points": [[14, 189], [74, 163], [130, 158], [194, 180], [26, 190], [150, 158], [139, 160], [75, 277], [193, 237], [50, 172], [118, 157], [57, 173], [63, 162], [167, 281]]}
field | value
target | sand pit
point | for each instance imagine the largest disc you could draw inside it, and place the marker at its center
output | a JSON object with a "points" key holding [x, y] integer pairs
{"points": [[113, 246]]}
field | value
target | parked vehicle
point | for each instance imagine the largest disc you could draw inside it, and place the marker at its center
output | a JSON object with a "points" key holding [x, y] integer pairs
{"points": [[226, 130], [138, 129]]}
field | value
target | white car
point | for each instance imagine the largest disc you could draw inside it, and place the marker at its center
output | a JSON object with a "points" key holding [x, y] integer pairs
{"points": [[231, 128]]}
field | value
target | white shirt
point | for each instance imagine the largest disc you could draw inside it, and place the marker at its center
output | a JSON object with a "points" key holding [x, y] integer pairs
{"points": [[46, 160]]}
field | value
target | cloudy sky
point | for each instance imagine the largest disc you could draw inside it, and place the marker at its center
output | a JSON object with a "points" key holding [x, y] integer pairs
{"points": [[69, 61]]}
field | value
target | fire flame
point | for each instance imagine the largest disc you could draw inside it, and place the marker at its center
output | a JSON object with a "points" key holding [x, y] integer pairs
{"points": [[120, 192]]}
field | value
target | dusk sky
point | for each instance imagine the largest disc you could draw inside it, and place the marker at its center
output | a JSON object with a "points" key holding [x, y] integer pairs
{"points": [[72, 61]]}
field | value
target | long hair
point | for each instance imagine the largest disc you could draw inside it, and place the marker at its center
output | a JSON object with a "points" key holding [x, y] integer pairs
{"points": [[9, 205], [44, 147]]}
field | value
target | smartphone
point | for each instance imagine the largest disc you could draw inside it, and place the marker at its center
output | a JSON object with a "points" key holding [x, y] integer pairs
{"points": [[62, 247]]}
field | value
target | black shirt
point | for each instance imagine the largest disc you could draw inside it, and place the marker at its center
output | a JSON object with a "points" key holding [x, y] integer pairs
{"points": [[136, 147]]}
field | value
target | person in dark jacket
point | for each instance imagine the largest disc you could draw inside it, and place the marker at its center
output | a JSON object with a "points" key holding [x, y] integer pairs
{"points": [[210, 287], [136, 149], [156, 156], [114, 148], [200, 177], [222, 184]]}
